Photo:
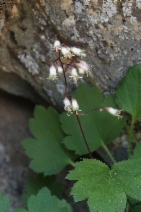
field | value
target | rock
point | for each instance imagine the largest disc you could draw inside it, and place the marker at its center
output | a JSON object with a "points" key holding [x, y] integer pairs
{"points": [[108, 32], [14, 117]]}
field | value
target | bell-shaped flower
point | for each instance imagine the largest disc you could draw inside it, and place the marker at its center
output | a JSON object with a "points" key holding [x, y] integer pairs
{"points": [[67, 105], [66, 52], [59, 68], [75, 106], [74, 75], [113, 111], [52, 73], [78, 52], [57, 45], [81, 70], [83, 65]]}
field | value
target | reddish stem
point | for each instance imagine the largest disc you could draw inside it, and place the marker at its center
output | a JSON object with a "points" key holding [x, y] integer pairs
{"points": [[81, 129], [67, 93], [88, 111]]}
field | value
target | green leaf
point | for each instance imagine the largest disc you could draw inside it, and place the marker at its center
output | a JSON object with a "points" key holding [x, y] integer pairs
{"points": [[128, 93], [106, 189], [137, 152], [98, 126], [44, 202], [46, 152], [109, 101], [137, 208], [33, 185], [136, 155], [64, 206], [44, 121], [4, 203]]}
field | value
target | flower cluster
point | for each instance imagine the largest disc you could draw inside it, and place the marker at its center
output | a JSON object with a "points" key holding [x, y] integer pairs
{"points": [[75, 66], [71, 106]]}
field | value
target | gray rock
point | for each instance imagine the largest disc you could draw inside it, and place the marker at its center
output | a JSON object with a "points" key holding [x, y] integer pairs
{"points": [[109, 35], [14, 116]]}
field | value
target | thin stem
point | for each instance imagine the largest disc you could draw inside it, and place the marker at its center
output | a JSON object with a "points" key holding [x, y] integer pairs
{"points": [[130, 137], [64, 74], [130, 206], [131, 134], [127, 207], [67, 93], [61, 38], [72, 163], [88, 111], [81, 129], [108, 152]]}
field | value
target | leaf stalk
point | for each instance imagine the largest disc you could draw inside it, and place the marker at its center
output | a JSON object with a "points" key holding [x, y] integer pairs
{"points": [[130, 137], [108, 152]]}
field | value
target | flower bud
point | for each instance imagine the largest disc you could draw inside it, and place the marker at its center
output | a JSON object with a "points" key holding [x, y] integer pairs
{"points": [[67, 104], [52, 73], [60, 70], [78, 52], [83, 65], [75, 106], [66, 52], [113, 111], [14, 11], [74, 75], [57, 45], [74, 72], [81, 70]]}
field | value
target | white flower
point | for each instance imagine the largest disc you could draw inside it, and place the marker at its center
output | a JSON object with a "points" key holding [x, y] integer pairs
{"points": [[75, 106], [74, 75], [66, 52], [57, 45], [68, 106], [83, 65], [78, 52], [60, 70], [81, 70], [113, 111], [52, 73]]}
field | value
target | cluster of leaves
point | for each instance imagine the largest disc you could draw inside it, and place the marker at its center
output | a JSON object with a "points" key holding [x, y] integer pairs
{"points": [[58, 142], [43, 201]]}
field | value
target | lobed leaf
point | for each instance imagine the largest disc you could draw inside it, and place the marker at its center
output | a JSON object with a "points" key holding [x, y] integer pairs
{"points": [[98, 126], [106, 188], [47, 154], [33, 185], [128, 93], [44, 202], [46, 120], [137, 152]]}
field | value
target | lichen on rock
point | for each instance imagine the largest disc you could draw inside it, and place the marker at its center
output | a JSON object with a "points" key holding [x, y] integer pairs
{"points": [[108, 31]]}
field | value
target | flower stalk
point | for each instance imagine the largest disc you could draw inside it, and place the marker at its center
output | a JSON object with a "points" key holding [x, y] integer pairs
{"points": [[70, 104]]}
